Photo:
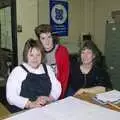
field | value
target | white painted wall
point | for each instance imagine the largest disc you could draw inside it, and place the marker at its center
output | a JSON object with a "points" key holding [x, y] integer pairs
{"points": [[90, 16], [81, 21], [43, 12], [75, 17], [27, 17], [103, 9]]}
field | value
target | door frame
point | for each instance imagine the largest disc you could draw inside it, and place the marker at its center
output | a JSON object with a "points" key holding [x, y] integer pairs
{"points": [[14, 33]]}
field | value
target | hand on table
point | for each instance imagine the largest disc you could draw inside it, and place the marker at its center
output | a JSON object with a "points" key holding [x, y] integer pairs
{"points": [[80, 91]]}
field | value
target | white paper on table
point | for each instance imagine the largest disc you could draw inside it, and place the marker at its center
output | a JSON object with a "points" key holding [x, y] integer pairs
{"points": [[69, 108]]}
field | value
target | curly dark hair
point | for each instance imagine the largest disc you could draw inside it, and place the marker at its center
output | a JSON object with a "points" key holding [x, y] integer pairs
{"points": [[89, 44]]}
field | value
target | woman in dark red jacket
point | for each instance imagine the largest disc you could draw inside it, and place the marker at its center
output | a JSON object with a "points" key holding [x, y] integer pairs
{"points": [[56, 56]]}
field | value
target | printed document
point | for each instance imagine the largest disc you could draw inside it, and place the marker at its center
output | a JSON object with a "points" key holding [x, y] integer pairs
{"points": [[110, 96]]}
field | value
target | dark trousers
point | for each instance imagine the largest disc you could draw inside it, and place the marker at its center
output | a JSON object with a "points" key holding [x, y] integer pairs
{"points": [[70, 92], [14, 109]]}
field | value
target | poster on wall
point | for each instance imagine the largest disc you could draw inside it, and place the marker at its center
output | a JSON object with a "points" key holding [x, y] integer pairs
{"points": [[59, 17]]}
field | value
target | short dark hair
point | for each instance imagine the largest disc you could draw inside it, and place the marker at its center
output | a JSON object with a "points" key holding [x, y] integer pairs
{"points": [[30, 44], [43, 28]]}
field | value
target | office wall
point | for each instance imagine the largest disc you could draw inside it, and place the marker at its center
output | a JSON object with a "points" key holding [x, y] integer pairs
{"points": [[90, 16], [27, 18], [74, 29], [103, 9], [81, 17], [75, 19], [79, 20], [84, 16], [43, 12], [33, 12]]}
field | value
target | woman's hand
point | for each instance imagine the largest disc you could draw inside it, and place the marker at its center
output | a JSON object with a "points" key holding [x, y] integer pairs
{"points": [[80, 91], [33, 104], [39, 102], [93, 90], [43, 100]]}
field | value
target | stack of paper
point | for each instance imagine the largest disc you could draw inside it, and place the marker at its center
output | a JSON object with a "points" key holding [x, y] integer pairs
{"points": [[111, 96]]}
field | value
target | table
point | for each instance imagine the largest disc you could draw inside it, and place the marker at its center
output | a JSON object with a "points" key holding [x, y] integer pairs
{"points": [[85, 96], [88, 97], [70, 108]]}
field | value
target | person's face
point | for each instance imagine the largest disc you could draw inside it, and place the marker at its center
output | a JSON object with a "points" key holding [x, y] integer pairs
{"points": [[47, 40], [87, 56], [34, 57]]}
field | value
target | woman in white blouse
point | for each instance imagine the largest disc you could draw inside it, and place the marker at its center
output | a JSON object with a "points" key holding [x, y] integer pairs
{"points": [[32, 84]]}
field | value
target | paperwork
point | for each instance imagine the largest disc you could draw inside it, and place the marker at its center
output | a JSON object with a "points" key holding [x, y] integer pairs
{"points": [[111, 96], [69, 108]]}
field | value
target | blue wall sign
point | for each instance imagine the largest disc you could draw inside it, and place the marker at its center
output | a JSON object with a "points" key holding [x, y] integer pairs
{"points": [[59, 17]]}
